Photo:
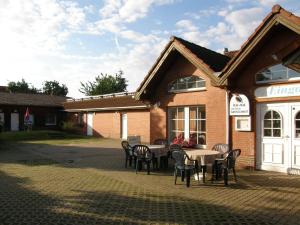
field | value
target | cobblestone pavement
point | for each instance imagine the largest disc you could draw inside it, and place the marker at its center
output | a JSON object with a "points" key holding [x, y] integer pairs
{"points": [[88, 184]]}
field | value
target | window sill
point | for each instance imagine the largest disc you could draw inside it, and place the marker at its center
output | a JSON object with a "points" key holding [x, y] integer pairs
{"points": [[187, 90]]}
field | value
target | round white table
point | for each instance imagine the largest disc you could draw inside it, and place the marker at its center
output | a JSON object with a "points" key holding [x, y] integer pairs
{"points": [[158, 150], [203, 156]]}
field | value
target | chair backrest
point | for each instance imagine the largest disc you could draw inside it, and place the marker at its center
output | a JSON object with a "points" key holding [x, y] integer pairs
{"points": [[231, 158], [142, 151], [179, 157], [134, 140], [160, 142], [222, 148], [126, 147]]}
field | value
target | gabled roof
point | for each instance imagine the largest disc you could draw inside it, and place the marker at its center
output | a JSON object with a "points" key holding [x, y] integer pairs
{"points": [[106, 103], [202, 58], [278, 15], [31, 99]]}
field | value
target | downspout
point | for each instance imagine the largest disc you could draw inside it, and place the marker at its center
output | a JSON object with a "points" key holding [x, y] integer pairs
{"points": [[227, 116]]}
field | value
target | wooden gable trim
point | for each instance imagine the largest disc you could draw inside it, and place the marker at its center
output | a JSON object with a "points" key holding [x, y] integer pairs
{"points": [[279, 19], [191, 57]]}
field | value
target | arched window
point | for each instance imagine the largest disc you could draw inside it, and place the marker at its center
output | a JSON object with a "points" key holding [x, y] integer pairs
{"points": [[272, 124], [191, 83], [276, 73]]}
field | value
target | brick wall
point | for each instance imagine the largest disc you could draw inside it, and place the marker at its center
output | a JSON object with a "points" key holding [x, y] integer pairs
{"points": [[213, 98], [108, 124]]}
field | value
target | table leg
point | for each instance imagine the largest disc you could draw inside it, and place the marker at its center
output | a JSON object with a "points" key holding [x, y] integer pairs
{"points": [[188, 177]]}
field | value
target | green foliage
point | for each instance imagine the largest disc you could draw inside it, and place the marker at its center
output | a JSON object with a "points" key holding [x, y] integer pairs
{"points": [[105, 84], [22, 87], [54, 88]]}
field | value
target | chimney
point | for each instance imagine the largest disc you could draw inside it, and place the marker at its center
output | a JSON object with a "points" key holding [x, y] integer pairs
{"points": [[225, 50]]}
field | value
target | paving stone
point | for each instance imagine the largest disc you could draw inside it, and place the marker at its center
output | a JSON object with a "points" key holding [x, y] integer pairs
{"points": [[37, 186]]}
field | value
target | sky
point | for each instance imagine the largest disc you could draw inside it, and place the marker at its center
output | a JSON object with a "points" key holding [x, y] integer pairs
{"points": [[74, 41]]}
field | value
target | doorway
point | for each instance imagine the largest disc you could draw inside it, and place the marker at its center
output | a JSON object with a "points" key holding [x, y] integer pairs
{"points": [[89, 131], [124, 126], [14, 121], [278, 137]]}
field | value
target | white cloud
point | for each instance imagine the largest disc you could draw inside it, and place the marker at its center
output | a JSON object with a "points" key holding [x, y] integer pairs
{"points": [[35, 33], [244, 21]]}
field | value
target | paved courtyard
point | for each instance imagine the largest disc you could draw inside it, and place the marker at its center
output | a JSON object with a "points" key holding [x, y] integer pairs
{"points": [[86, 183]]}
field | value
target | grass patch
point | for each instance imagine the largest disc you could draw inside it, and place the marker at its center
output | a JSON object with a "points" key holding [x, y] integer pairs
{"points": [[43, 135]]}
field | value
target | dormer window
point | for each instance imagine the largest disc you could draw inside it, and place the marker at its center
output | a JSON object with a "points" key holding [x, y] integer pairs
{"points": [[276, 73], [185, 84]]}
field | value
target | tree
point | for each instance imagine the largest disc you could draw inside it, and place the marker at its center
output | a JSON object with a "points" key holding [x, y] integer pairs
{"points": [[22, 87], [54, 88], [104, 84]]}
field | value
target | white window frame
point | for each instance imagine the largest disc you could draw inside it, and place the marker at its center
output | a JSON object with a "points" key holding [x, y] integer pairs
{"points": [[277, 80], [186, 83], [272, 128], [247, 119], [186, 122], [51, 124]]}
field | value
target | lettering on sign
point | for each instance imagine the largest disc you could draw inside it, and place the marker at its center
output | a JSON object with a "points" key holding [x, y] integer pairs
{"points": [[239, 105], [278, 91]]}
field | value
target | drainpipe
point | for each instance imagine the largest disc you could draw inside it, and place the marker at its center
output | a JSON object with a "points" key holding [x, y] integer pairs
{"points": [[227, 116]]}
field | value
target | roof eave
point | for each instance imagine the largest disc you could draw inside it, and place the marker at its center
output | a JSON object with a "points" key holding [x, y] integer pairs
{"points": [[175, 45], [269, 22]]}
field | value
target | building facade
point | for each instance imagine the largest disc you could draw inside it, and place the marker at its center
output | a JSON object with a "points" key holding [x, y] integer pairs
{"points": [[249, 99], [45, 111]]}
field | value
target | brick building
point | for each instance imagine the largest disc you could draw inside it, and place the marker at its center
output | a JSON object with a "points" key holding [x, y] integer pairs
{"points": [[248, 98]]}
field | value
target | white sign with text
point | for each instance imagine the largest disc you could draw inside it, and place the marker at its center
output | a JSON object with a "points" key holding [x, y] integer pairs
{"points": [[278, 91], [239, 105]]}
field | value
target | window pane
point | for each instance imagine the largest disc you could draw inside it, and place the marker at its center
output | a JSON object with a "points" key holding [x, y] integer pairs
{"points": [[201, 125], [193, 113], [276, 132], [193, 125], [202, 138], [180, 113], [180, 125], [280, 74], [297, 135], [267, 123], [200, 84], [268, 115], [297, 124], [293, 73], [181, 86], [201, 113], [263, 76], [173, 112], [173, 124], [276, 115], [191, 85], [186, 83], [276, 123], [277, 72], [267, 132], [298, 116]]}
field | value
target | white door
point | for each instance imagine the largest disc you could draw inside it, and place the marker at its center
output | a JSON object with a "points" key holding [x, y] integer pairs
{"points": [[14, 121], [295, 156], [89, 131], [273, 137], [124, 126]]}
